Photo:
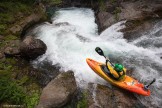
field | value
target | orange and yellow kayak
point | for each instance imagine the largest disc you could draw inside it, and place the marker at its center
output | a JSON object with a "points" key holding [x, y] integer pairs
{"points": [[127, 82]]}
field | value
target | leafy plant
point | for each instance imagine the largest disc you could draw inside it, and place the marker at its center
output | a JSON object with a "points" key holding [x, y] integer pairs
{"points": [[11, 92], [32, 100]]}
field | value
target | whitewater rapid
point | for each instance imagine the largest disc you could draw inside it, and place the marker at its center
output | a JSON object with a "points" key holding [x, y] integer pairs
{"points": [[73, 36]]}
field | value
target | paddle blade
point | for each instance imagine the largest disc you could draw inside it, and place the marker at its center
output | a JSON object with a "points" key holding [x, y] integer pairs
{"points": [[99, 51]]}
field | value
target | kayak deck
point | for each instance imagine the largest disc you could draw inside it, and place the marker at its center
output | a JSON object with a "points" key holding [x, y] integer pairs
{"points": [[127, 83]]}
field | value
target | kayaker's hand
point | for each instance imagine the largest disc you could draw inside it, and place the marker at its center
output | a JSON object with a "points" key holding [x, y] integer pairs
{"points": [[107, 58]]}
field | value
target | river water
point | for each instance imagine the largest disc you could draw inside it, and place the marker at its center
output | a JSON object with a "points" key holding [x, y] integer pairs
{"points": [[73, 35]]}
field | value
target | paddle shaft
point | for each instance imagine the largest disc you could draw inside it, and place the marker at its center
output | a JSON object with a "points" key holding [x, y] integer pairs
{"points": [[151, 82], [100, 52]]}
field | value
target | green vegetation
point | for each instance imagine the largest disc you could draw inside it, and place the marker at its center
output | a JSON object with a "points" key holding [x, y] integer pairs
{"points": [[20, 1], [32, 100], [102, 6], [83, 103], [10, 37], [56, 1], [113, 1], [11, 92], [52, 2], [2, 27], [116, 13], [17, 91], [12, 11], [16, 87]]}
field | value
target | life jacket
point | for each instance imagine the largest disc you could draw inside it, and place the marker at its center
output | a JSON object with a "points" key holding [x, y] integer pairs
{"points": [[117, 75]]}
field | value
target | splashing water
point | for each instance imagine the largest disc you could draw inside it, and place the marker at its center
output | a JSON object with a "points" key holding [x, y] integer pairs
{"points": [[72, 37]]}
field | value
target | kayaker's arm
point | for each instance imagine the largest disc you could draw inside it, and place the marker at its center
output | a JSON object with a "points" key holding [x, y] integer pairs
{"points": [[108, 60], [100, 52]]}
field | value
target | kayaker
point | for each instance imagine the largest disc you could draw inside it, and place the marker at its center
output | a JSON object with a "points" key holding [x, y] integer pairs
{"points": [[119, 68], [118, 72]]}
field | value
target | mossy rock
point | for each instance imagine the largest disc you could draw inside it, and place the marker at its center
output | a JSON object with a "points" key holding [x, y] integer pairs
{"points": [[102, 5], [10, 37], [83, 102]]}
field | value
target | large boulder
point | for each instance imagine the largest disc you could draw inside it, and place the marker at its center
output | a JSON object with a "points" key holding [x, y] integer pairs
{"points": [[59, 91], [128, 10], [136, 28], [103, 96], [31, 48]]}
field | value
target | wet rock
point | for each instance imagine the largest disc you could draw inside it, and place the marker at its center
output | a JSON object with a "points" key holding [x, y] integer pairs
{"points": [[59, 91], [105, 19], [128, 10], [44, 73], [104, 96], [32, 48], [62, 24], [135, 28]]}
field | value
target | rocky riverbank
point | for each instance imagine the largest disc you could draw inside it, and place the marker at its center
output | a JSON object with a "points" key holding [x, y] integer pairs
{"points": [[16, 84], [16, 51]]}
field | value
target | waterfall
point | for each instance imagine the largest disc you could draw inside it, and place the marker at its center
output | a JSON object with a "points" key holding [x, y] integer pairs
{"points": [[72, 37]]}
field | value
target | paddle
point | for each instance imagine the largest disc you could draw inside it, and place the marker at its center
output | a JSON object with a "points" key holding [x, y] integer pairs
{"points": [[147, 86], [100, 52]]}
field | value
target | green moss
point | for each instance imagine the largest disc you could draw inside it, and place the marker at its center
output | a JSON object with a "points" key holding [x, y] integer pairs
{"points": [[6, 18], [14, 7], [10, 37], [11, 61], [5, 67], [102, 5], [56, 1], [52, 2], [3, 43], [116, 13], [83, 102], [11, 12], [112, 1], [3, 27]]}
